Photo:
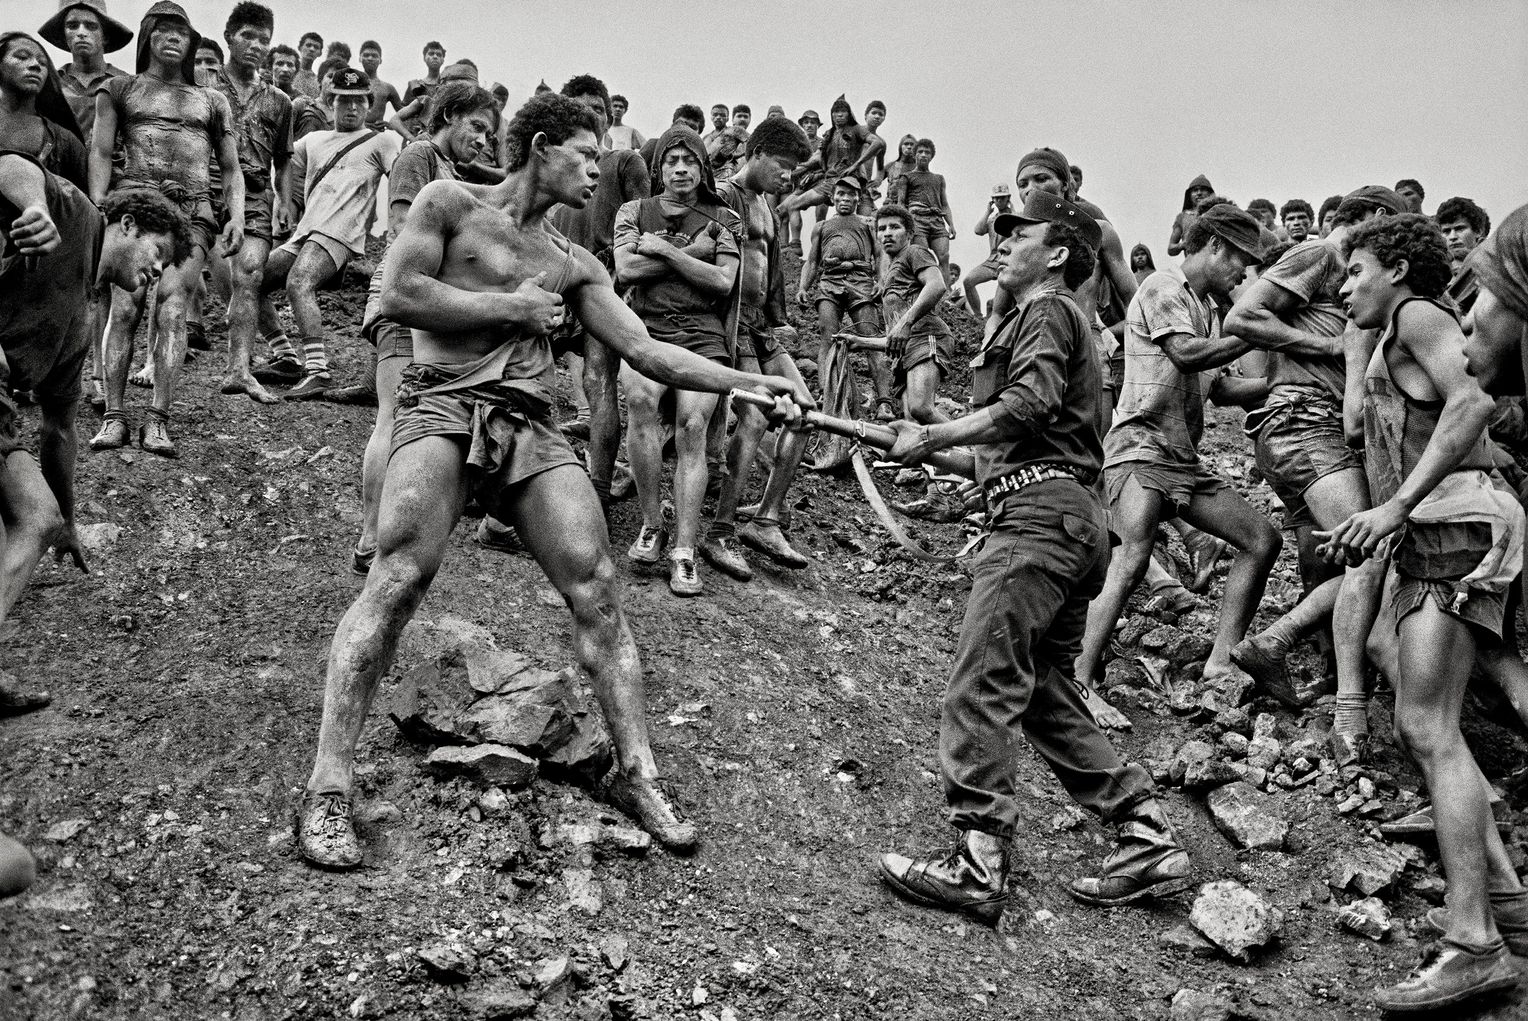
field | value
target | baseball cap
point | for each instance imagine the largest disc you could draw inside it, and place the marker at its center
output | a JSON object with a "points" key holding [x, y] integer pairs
{"points": [[347, 81], [1043, 207], [849, 181], [810, 114], [1239, 228], [1001, 189], [1381, 196]]}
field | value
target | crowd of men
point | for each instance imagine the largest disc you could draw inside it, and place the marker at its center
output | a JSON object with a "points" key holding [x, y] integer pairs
{"points": [[1366, 341]]}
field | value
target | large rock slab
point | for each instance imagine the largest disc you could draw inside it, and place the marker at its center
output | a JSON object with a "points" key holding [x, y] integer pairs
{"points": [[585, 757], [492, 765], [1367, 869], [1248, 817], [1234, 918], [427, 701]]}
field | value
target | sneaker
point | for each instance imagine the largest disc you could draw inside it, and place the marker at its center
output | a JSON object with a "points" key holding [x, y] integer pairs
{"points": [[112, 435], [326, 831], [652, 809], [578, 429], [1265, 664], [361, 560], [154, 437], [1422, 824], [196, 338], [684, 576], [311, 387], [647, 548], [279, 370], [1204, 552], [358, 394], [495, 535], [765, 536], [722, 553], [1509, 911], [1449, 974]]}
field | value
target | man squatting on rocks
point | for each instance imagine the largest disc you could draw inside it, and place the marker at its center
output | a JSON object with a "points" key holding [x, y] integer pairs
{"points": [[481, 278]]}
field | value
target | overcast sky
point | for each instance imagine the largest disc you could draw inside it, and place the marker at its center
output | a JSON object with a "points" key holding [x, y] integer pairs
{"points": [[1269, 99]]}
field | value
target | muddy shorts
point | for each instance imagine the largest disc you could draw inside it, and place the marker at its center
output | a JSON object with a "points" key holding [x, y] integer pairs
{"points": [[1297, 441], [845, 292], [506, 440], [1429, 561], [1177, 484], [755, 337], [938, 348], [258, 216], [695, 334], [339, 252], [389, 338], [929, 227], [204, 222]]}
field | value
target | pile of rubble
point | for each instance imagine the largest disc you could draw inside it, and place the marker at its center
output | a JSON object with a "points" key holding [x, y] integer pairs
{"points": [[494, 716]]}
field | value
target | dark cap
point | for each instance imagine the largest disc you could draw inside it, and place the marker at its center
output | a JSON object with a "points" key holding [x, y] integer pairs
{"points": [[1379, 195], [1236, 227], [1043, 207], [347, 81], [849, 181], [810, 113]]}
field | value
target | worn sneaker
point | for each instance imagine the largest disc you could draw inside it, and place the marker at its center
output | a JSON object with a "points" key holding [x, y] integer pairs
{"points": [[1264, 663], [765, 536], [1508, 911], [495, 535], [684, 576], [113, 434], [1450, 973], [1422, 824], [279, 370], [721, 552], [643, 800], [647, 548], [326, 832], [311, 387]]}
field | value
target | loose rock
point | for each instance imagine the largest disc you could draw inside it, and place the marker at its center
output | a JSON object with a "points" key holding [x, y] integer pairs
{"points": [[1367, 869], [1248, 817], [1368, 917], [1193, 1005], [1234, 918], [493, 765], [1192, 752], [447, 962]]}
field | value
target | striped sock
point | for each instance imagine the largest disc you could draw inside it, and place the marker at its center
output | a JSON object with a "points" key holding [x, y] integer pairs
{"points": [[281, 347], [313, 357]]}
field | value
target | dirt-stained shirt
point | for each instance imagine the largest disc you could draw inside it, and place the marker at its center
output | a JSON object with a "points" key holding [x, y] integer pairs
{"points": [[337, 206], [845, 148], [923, 188], [1160, 416], [902, 285], [169, 131], [263, 121], [80, 91], [1312, 271]]}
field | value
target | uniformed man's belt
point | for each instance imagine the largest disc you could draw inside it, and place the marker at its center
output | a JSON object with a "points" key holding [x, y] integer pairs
{"points": [[1014, 481]]}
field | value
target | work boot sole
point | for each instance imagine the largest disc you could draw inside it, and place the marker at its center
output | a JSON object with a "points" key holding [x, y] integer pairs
{"points": [[1166, 888]]}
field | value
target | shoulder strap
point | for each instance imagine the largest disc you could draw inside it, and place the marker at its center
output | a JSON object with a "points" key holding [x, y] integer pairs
{"points": [[366, 136]]}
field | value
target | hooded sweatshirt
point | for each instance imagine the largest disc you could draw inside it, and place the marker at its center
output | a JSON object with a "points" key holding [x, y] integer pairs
{"points": [[1199, 182], [161, 10]]}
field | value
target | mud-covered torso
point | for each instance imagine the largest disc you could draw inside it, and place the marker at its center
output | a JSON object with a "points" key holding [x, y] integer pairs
{"points": [[168, 131]]}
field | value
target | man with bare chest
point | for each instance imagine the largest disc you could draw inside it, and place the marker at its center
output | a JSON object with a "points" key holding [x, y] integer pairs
{"points": [[171, 130], [482, 279]]}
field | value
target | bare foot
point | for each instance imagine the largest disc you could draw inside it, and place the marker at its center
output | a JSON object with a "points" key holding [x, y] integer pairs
{"points": [[1104, 714], [144, 377], [234, 383]]}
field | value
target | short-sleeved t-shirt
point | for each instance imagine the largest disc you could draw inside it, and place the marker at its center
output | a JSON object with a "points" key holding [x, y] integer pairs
{"points": [[1312, 271], [845, 148], [672, 298], [624, 136], [1160, 416], [338, 207], [42, 307], [264, 124], [924, 188], [169, 131], [417, 165], [902, 286], [80, 91]]}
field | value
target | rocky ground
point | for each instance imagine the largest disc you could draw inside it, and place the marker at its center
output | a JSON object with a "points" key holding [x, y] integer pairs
{"points": [[796, 716]]}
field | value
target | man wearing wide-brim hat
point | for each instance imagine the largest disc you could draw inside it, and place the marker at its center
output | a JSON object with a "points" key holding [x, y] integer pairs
{"points": [[84, 30]]}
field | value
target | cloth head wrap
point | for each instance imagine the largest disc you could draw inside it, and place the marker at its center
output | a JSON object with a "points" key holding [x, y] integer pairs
{"points": [[1051, 160], [683, 134]]}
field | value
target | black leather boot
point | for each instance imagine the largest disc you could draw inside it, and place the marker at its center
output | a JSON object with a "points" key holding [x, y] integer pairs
{"points": [[1147, 861], [972, 878]]}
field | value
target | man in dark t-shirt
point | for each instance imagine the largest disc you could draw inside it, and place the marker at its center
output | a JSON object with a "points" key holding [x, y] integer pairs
{"points": [[919, 343], [849, 148]]}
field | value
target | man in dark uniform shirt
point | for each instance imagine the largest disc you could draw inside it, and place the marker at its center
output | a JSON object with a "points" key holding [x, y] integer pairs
{"points": [[1038, 442]]}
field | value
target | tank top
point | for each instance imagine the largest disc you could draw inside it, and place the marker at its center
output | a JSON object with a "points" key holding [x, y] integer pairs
{"points": [[1397, 426]]}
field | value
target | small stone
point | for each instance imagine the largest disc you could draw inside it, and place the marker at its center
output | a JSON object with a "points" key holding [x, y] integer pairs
{"points": [[1234, 719], [97, 537], [585, 757], [1265, 725], [1368, 917], [1429, 887], [447, 962], [503, 1001], [555, 979], [492, 801], [627, 840], [1186, 938], [1350, 804], [491, 764], [1234, 918], [584, 891], [1234, 744], [1248, 817], [613, 951], [1193, 1005], [1207, 774], [699, 995], [1069, 818], [1365, 788], [1367, 869], [67, 830], [1252, 774], [1123, 671], [1307, 748], [1264, 752], [1192, 751], [1301, 765]]}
